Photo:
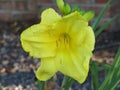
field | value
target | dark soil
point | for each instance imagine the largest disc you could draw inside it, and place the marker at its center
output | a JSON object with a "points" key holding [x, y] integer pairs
{"points": [[16, 67]]}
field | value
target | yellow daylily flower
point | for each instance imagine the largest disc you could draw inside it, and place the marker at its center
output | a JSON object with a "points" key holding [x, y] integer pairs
{"points": [[64, 44]]}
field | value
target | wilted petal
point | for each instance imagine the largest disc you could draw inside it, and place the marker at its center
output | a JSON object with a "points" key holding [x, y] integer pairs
{"points": [[47, 69]]}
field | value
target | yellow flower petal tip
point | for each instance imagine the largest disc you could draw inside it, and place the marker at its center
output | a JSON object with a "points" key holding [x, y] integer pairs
{"points": [[64, 44]]}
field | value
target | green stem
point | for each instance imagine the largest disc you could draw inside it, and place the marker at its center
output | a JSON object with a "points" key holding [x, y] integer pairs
{"points": [[113, 77], [41, 85], [1, 88], [67, 82], [102, 12]]}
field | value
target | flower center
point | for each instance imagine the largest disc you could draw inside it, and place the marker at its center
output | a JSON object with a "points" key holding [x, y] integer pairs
{"points": [[63, 40]]}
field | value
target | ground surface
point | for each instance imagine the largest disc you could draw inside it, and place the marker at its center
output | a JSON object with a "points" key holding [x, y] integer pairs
{"points": [[16, 67]]}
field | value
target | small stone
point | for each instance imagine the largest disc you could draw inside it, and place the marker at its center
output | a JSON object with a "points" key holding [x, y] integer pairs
{"points": [[20, 87], [5, 62], [2, 70], [10, 70], [2, 41]]}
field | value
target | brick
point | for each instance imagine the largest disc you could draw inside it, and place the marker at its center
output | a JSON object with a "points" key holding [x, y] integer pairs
{"points": [[44, 1], [7, 5], [30, 16], [101, 1], [31, 5], [116, 6], [5, 16], [24, 16], [77, 1], [21, 5]]}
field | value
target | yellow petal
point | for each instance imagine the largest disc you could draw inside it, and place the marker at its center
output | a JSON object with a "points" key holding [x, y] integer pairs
{"points": [[71, 23], [84, 37], [39, 50], [49, 16], [38, 42], [73, 17], [74, 63], [79, 31], [77, 27], [47, 69], [68, 23], [89, 40], [37, 33]]}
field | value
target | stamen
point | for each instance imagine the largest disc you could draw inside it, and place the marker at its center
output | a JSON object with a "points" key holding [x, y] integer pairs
{"points": [[63, 41]]}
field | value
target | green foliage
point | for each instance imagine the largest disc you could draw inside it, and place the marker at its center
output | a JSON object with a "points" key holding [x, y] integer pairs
{"points": [[1, 88], [113, 77], [40, 85], [94, 75], [98, 19], [76, 8], [104, 66], [67, 82], [63, 7], [89, 15], [104, 26], [67, 9], [94, 66], [60, 4]]}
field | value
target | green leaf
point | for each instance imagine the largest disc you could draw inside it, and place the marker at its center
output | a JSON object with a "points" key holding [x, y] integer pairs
{"points": [[104, 66], [67, 9], [76, 8], [113, 77], [89, 15], [63, 7], [98, 19], [105, 26], [94, 75]]}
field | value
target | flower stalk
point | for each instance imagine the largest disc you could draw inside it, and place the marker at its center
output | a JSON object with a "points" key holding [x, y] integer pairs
{"points": [[67, 82], [41, 85]]}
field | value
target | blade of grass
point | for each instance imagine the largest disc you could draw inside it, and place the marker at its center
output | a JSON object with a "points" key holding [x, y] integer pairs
{"points": [[113, 77], [97, 21], [104, 66], [94, 75], [105, 26]]}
